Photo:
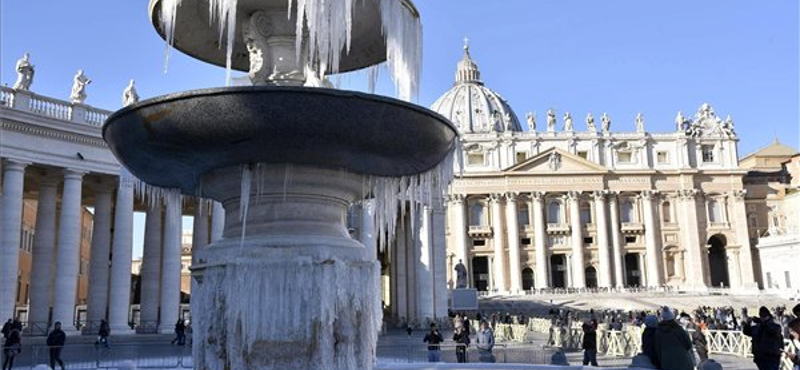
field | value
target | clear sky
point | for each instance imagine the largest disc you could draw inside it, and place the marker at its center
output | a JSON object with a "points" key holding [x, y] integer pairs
{"points": [[622, 57]]}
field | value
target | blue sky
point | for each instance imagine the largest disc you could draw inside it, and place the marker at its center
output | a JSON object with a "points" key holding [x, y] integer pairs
{"points": [[622, 57]]}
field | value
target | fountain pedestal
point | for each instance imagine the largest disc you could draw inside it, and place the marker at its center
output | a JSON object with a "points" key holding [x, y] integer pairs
{"points": [[298, 292]]}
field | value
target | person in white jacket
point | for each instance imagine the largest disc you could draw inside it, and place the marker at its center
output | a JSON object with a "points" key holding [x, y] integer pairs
{"points": [[484, 342]]}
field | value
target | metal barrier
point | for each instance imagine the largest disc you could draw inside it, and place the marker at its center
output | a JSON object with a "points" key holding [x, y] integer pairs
{"points": [[414, 353], [87, 356]]}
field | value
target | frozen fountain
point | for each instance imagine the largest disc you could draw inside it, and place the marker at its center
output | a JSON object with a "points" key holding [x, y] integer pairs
{"points": [[286, 287]]}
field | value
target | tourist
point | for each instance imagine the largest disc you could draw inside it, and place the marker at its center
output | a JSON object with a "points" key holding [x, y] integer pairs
{"points": [[672, 343], [180, 333], [767, 339], [11, 348], [409, 330], [697, 329], [589, 343], [794, 336], [461, 337], [7, 329], [103, 333], [433, 338], [56, 341], [649, 339], [484, 342]]}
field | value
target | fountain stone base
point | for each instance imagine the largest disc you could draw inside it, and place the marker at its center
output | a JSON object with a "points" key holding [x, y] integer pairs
{"points": [[297, 292]]}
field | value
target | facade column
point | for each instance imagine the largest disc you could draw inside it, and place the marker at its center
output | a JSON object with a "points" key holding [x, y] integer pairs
{"points": [[424, 264], [578, 280], [602, 239], [459, 228], [679, 262], [616, 241], [492, 282], [217, 221], [540, 243], [745, 256], [498, 227], [514, 259], [11, 223], [642, 269], [99, 260], [171, 264], [690, 238], [119, 301], [68, 254], [151, 266], [44, 247], [570, 276], [652, 242]]}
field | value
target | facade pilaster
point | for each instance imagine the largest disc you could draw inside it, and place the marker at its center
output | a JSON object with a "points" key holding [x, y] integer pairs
{"points": [[578, 276], [745, 256], [603, 255], [652, 242], [11, 221], [44, 247], [119, 301], [616, 241], [68, 253], [690, 238], [540, 241], [171, 264], [499, 243], [513, 243], [459, 228], [99, 260]]}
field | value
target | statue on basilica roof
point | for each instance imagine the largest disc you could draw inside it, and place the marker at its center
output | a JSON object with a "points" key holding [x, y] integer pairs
{"points": [[568, 122], [551, 120], [129, 96], [680, 122], [531, 116], [590, 123], [639, 122], [25, 73], [606, 122], [79, 83]]}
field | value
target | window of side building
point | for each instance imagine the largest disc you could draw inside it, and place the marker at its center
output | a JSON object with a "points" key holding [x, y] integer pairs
{"points": [[708, 153], [521, 157], [476, 159], [662, 157], [625, 157]]}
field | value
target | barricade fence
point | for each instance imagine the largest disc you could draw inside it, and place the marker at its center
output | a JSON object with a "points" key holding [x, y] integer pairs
{"points": [[88, 356]]}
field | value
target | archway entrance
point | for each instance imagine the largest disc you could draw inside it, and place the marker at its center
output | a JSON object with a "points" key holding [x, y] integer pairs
{"points": [[480, 273], [558, 270], [527, 279], [591, 277], [632, 272], [718, 261]]}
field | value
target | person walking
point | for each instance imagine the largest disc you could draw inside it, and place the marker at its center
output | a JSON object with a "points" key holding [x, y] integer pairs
{"points": [[103, 333], [589, 344], [180, 333], [11, 348], [767, 339], [484, 341], [672, 343], [56, 341], [7, 329], [461, 337], [649, 339], [433, 338]]}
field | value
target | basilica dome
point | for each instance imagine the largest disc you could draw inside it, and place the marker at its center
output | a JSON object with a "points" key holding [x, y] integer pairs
{"points": [[473, 107]]}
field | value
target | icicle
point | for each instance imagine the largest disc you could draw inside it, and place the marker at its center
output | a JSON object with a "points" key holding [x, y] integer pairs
{"points": [[403, 33], [244, 198], [169, 12]]}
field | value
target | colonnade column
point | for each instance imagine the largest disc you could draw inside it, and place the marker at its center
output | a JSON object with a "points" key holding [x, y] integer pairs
{"points": [[499, 243], [602, 239], [424, 264], [11, 221], [399, 269], [439, 254], [119, 301], [459, 228], [690, 239], [542, 278], [513, 243], [151, 266], [578, 278], [652, 244], [44, 246], [68, 253], [745, 258], [616, 241], [200, 227], [98, 262], [171, 264]]}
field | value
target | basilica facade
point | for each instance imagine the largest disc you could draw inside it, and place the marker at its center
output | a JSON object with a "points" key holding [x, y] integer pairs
{"points": [[568, 204]]}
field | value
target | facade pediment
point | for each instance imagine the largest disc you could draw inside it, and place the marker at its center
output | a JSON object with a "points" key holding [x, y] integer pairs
{"points": [[555, 161]]}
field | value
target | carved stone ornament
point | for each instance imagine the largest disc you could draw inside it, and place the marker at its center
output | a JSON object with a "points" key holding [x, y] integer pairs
{"points": [[554, 162]]}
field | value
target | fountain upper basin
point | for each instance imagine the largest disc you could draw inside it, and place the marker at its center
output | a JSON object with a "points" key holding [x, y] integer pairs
{"points": [[172, 140]]}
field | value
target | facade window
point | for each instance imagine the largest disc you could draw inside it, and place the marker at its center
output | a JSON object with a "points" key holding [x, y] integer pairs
{"points": [[662, 157], [630, 239], [554, 212], [583, 154], [752, 220], [626, 211], [557, 240], [521, 157], [478, 243], [666, 212], [477, 214], [476, 159], [708, 153], [624, 157], [769, 280], [588, 240], [586, 213], [522, 215], [714, 211], [525, 241]]}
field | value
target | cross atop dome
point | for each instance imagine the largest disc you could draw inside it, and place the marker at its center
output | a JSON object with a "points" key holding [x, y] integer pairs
{"points": [[467, 70]]}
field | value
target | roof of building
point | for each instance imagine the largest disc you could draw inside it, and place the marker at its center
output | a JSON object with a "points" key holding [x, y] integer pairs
{"points": [[472, 106], [775, 149]]}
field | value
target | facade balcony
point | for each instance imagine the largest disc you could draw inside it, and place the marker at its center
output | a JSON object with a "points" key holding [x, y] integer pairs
{"points": [[558, 228], [719, 225], [527, 229], [480, 231], [632, 228]]}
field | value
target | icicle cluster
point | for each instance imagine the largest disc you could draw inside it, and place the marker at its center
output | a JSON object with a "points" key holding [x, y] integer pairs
{"points": [[169, 12], [223, 12], [403, 32]]}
